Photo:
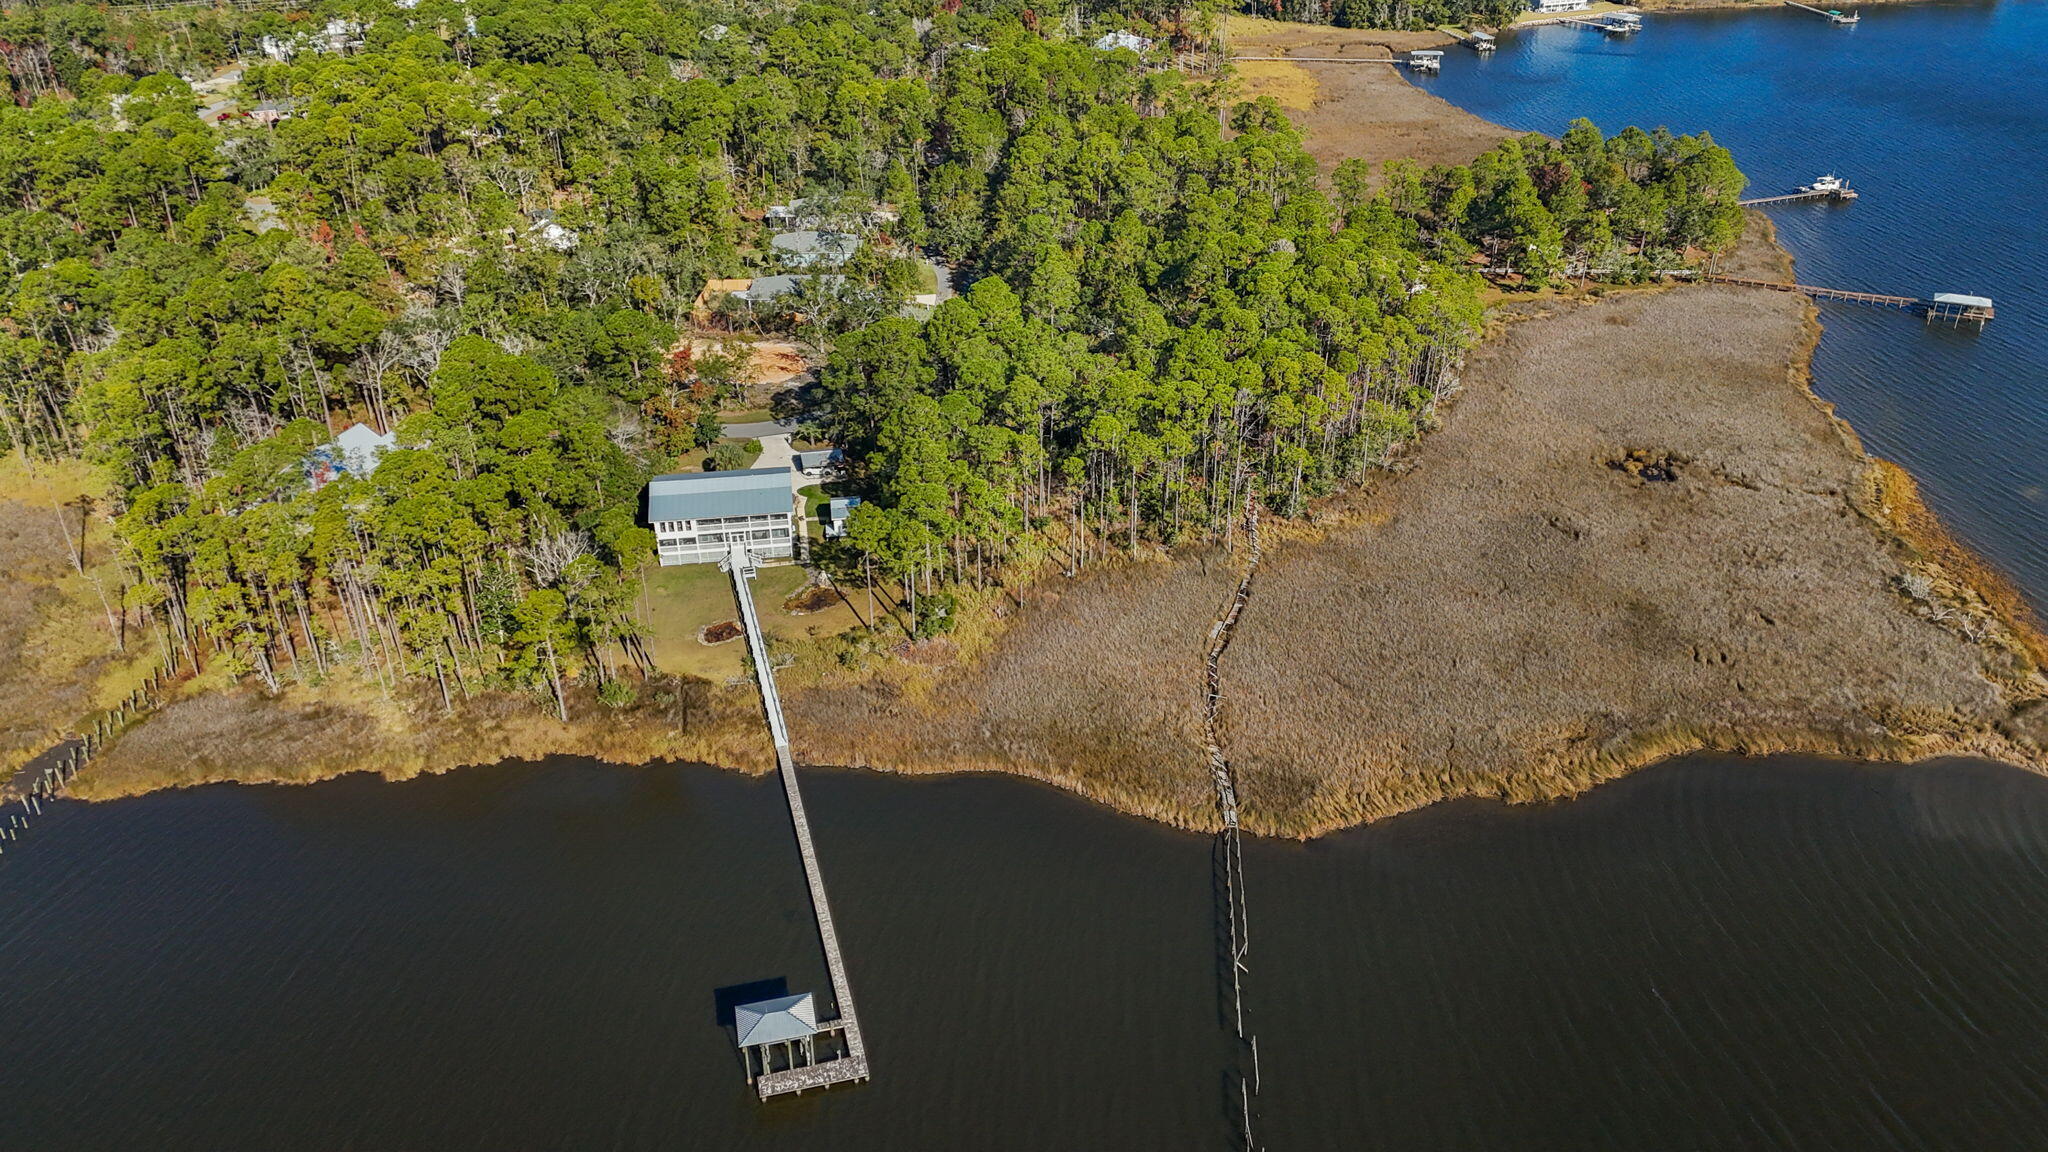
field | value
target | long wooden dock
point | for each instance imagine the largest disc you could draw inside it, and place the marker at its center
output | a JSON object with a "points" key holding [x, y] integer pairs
{"points": [[1942, 306], [852, 1063], [1791, 197]]}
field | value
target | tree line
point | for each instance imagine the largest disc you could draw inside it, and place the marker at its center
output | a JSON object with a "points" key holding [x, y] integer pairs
{"points": [[485, 228]]}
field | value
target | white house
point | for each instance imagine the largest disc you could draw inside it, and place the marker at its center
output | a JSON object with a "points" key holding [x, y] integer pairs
{"points": [[361, 446], [696, 515], [549, 233], [1558, 5], [1112, 41]]}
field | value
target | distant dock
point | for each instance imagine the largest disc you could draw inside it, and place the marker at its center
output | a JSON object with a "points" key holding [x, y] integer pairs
{"points": [[1835, 15], [1612, 24], [1824, 188], [1953, 307]]}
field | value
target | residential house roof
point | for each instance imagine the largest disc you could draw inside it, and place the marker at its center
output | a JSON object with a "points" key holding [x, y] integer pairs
{"points": [[1112, 41], [709, 495], [769, 287], [361, 446], [806, 248]]}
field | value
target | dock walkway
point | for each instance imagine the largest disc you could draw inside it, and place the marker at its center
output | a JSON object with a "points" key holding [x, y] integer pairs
{"points": [[853, 1064]]}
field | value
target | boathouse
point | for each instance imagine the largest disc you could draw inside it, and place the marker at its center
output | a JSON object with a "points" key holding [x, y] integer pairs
{"points": [[787, 1025], [695, 515], [1957, 308]]}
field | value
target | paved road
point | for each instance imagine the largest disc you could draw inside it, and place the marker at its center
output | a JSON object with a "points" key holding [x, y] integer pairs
{"points": [[760, 430]]}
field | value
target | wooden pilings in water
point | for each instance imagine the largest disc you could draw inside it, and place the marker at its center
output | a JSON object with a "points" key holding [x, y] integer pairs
{"points": [[1235, 911], [45, 776]]}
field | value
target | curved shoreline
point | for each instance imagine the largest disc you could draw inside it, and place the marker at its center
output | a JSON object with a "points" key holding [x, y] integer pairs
{"points": [[1053, 702]]}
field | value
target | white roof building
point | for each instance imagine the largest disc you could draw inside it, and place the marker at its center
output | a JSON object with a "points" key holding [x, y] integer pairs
{"points": [[775, 1021], [1112, 41], [361, 447]]}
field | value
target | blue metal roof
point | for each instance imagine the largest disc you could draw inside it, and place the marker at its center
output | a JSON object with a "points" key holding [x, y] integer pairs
{"points": [[773, 1021], [704, 495]]}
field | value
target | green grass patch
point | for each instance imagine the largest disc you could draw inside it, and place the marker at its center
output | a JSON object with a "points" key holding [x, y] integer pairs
{"points": [[684, 599]]}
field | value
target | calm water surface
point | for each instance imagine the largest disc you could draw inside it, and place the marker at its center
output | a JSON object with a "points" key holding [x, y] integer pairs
{"points": [[1710, 955], [1938, 115]]}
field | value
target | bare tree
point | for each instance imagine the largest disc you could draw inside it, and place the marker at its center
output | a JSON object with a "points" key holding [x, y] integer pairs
{"points": [[551, 553]]}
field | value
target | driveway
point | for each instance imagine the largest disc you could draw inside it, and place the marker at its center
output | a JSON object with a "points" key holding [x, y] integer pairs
{"points": [[761, 430]]}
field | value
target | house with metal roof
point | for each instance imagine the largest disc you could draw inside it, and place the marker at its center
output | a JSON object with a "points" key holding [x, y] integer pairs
{"points": [[697, 515], [814, 249], [834, 515]]}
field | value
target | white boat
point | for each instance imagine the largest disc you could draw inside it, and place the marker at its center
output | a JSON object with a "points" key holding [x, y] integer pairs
{"points": [[1828, 183]]}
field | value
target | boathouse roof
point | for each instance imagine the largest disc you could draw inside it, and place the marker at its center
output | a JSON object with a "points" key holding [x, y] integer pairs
{"points": [[709, 495], [773, 1021], [1961, 300]]}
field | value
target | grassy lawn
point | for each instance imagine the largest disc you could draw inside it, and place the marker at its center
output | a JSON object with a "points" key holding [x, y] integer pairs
{"points": [[683, 599], [746, 416], [927, 278], [814, 499]]}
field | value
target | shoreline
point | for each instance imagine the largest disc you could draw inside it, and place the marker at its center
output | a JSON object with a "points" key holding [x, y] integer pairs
{"points": [[1134, 743]]}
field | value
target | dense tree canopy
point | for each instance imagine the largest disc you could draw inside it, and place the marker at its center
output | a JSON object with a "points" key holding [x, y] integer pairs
{"points": [[485, 226]]}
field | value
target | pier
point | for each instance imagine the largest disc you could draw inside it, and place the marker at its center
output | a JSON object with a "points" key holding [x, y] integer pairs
{"points": [[1430, 62], [1829, 187], [1950, 306], [1804, 194], [1834, 15], [789, 1025], [1613, 24]]}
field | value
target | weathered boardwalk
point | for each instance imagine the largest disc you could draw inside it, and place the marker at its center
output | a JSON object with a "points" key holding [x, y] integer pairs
{"points": [[853, 1063]]}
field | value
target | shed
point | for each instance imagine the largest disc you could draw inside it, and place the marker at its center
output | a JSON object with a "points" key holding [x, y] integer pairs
{"points": [[814, 459], [836, 512]]}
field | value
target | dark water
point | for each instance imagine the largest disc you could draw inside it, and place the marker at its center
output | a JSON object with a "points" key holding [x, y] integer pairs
{"points": [[1938, 115], [1710, 955]]}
